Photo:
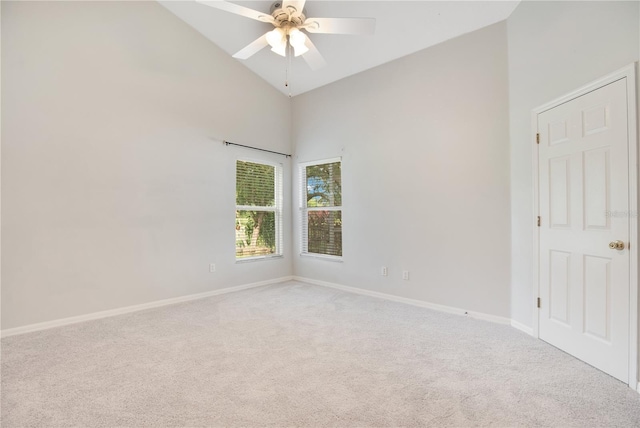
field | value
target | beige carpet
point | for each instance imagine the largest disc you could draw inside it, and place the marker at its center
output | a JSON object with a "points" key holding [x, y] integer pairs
{"points": [[300, 355]]}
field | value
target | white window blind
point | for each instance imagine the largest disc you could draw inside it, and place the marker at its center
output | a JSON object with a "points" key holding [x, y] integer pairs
{"points": [[321, 208], [258, 210]]}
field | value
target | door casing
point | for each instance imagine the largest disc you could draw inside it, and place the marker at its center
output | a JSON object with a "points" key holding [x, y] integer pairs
{"points": [[628, 73]]}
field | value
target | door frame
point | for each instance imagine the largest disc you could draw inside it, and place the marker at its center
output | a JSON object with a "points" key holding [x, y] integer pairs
{"points": [[629, 73]]}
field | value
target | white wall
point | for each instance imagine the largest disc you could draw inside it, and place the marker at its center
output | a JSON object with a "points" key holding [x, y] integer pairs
{"points": [[424, 141], [554, 48], [114, 192]]}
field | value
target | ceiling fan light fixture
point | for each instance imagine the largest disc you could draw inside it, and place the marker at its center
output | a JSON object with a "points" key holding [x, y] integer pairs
{"points": [[278, 41], [298, 40], [289, 18]]}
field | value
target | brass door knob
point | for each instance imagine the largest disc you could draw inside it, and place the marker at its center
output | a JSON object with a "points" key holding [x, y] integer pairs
{"points": [[616, 245]]}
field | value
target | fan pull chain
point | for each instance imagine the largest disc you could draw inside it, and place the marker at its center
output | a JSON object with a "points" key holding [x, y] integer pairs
{"points": [[288, 68], [286, 73]]}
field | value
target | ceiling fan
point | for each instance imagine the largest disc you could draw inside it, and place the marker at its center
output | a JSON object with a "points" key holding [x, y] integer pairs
{"points": [[288, 18]]}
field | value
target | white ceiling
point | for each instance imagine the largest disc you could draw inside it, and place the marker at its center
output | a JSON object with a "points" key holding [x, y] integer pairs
{"points": [[402, 28]]}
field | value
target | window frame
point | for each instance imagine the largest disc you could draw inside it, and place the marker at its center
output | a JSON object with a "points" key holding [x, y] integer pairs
{"points": [[277, 208], [304, 210]]}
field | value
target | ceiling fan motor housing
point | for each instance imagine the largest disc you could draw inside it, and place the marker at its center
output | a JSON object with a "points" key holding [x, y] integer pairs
{"points": [[286, 17]]}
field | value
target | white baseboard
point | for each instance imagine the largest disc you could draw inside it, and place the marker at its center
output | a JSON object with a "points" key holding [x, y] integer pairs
{"points": [[135, 308], [524, 328], [414, 302]]}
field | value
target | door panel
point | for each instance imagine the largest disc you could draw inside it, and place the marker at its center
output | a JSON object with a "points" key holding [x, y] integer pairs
{"points": [[559, 268], [597, 297], [583, 177], [559, 192]]}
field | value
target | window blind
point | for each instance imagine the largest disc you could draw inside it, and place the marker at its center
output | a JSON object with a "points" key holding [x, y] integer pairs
{"points": [[258, 210], [321, 207]]}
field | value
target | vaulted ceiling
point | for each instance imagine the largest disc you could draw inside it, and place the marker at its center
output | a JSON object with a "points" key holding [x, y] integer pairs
{"points": [[402, 28]]}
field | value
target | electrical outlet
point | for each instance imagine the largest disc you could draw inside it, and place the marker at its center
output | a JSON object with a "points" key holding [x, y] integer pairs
{"points": [[212, 267], [384, 271], [405, 275]]}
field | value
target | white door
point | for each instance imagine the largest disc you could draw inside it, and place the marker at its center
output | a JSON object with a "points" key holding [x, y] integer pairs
{"points": [[584, 206]]}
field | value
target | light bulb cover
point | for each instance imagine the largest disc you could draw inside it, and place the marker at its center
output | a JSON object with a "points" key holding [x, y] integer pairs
{"points": [[277, 38], [298, 39]]}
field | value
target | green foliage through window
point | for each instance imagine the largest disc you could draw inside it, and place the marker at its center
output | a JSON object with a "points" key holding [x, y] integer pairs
{"points": [[255, 184], [324, 185], [325, 232]]}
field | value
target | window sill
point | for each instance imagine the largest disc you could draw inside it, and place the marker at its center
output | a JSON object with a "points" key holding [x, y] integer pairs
{"points": [[258, 259], [336, 259]]}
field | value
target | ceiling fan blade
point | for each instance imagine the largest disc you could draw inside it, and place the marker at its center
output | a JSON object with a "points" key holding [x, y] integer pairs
{"points": [[238, 10], [298, 5], [355, 26], [252, 48], [313, 57]]}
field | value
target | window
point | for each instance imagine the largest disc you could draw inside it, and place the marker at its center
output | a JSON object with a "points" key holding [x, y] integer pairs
{"points": [[321, 184], [258, 210]]}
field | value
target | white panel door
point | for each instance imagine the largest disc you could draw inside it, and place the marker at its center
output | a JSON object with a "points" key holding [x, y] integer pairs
{"points": [[583, 190]]}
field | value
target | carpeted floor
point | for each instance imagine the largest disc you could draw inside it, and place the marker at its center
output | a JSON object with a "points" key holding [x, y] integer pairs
{"points": [[299, 355]]}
